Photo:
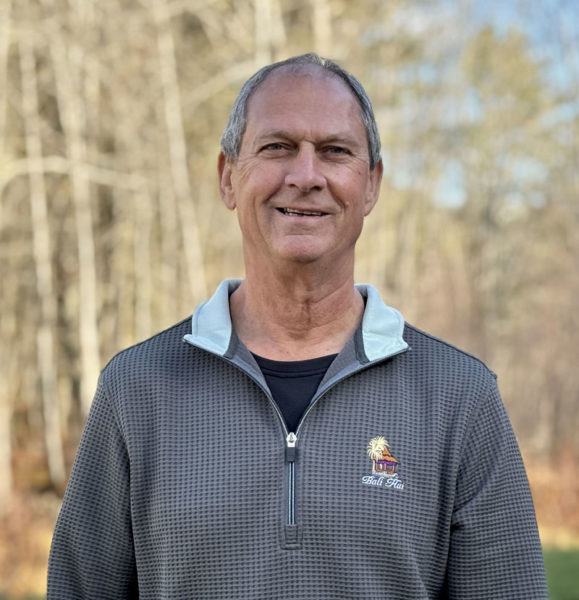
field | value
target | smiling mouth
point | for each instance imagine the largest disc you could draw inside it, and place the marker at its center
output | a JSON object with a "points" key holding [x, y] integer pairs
{"points": [[301, 213]]}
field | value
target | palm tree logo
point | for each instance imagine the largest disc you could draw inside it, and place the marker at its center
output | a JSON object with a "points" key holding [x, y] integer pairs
{"points": [[383, 463]]}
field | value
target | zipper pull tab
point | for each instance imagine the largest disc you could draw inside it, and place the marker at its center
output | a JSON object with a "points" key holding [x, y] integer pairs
{"points": [[291, 451]]}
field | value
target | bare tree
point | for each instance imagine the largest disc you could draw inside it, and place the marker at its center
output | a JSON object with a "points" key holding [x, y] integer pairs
{"points": [[5, 401], [68, 62], [322, 23], [43, 264], [178, 151]]}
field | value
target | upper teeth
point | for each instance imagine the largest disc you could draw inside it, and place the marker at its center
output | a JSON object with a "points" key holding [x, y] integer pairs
{"points": [[310, 213]]}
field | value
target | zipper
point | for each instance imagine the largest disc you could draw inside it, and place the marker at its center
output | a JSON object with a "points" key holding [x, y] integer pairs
{"points": [[290, 459], [291, 453]]}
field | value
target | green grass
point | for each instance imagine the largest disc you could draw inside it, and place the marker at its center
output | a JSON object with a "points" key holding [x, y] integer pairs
{"points": [[562, 568]]}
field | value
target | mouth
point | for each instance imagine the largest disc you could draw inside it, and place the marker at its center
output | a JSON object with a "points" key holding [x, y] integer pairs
{"points": [[293, 212]]}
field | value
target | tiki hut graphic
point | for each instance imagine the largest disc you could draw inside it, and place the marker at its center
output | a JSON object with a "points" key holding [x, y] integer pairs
{"points": [[383, 463]]}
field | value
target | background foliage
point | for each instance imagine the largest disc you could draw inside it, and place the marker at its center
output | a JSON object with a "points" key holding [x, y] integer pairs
{"points": [[111, 228]]}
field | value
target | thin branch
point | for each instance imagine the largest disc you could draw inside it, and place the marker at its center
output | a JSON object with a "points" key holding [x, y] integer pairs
{"points": [[60, 165]]}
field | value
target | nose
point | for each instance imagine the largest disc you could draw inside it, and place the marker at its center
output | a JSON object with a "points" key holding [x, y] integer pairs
{"points": [[304, 171]]}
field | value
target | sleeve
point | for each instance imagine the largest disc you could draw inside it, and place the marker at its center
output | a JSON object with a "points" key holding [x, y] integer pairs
{"points": [[92, 555], [495, 550]]}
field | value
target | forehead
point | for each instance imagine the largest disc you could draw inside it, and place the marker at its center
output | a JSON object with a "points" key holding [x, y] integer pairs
{"points": [[304, 94]]}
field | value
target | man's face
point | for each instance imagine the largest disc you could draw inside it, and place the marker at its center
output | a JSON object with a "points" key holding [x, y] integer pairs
{"points": [[302, 184]]}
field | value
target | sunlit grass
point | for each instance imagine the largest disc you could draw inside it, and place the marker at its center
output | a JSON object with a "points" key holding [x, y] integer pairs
{"points": [[562, 574]]}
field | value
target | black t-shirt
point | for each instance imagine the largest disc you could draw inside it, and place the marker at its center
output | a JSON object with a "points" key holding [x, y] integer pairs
{"points": [[293, 383]]}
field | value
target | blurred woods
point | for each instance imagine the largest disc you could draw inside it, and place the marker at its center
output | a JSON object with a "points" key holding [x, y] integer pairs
{"points": [[111, 227]]}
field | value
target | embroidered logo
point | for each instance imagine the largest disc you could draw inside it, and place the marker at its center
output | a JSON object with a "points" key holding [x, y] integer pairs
{"points": [[384, 465]]}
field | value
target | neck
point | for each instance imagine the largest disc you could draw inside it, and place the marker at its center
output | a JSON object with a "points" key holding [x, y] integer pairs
{"points": [[296, 316]]}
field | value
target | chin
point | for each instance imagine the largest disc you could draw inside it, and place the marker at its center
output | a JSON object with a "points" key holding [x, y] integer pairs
{"points": [[305, 255], [298, 250]]}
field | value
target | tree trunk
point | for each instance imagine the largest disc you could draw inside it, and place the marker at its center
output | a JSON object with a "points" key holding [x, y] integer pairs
{"points": [[43, 266], [68, 67], [142, 267], [5, 429], [322, 22], [169, 253], [178, 153], [5, 403]]}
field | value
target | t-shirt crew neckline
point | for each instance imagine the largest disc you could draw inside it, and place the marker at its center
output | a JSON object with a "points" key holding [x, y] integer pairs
{"points": [[293, 384], [293, 368]]}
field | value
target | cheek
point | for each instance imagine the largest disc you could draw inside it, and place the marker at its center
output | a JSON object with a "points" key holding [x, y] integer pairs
{"points": [[250, 218], [258, 185], [356, 191]]}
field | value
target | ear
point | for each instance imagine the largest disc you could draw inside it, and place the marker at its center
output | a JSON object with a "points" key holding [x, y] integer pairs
{"points": [[224, 166], [374, 181]]}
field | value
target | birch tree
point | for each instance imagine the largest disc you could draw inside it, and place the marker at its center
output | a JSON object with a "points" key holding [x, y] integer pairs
{"points": [[178, 152], [68, 59], [42, 251], [5, 400]]}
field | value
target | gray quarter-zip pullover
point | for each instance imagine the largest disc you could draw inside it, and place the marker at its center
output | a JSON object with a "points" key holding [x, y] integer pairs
{"points": [[402, 481]]}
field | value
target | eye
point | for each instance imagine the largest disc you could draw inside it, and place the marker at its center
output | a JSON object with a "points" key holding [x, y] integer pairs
{"points": [[337, 150], [273, 146]]}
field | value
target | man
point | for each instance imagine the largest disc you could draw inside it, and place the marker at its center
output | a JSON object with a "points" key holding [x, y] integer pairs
{"points": [[304, 442]]}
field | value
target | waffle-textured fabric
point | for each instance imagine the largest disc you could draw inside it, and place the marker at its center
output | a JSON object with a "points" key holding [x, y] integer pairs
{"points": [[404, 482]]}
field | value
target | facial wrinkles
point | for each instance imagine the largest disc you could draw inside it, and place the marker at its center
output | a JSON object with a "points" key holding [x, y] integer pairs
{"points": [[304, 155], [305, 147], [304, 125]]}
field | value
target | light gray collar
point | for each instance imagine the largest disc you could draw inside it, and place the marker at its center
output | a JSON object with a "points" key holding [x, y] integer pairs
{"points": [[382, 325]]}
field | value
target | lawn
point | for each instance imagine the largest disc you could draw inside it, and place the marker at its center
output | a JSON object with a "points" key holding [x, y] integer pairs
{"points": [[562, 574]]}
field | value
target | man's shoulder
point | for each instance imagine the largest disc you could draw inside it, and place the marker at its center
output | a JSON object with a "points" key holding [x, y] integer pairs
{"points": [[437, 357], [163, 347]]}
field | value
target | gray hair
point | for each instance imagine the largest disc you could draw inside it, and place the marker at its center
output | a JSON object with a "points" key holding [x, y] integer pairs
{"points": [[233, 134]]}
